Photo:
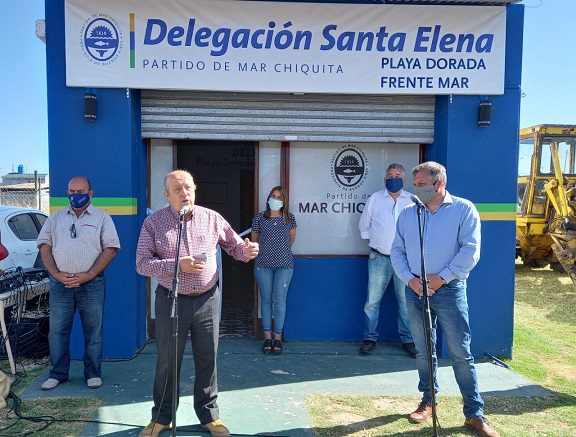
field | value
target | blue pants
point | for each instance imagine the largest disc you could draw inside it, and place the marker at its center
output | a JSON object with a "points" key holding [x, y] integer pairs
{"points": [[273, 285], [380, 272], [88, 299], [449, 307]]}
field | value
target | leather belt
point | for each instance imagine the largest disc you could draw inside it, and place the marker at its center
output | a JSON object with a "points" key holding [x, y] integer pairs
{"points": [[378, 252], [193, 294], [199, 293]]}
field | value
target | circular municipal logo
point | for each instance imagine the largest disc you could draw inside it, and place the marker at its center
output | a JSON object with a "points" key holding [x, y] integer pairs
{"points": [[101, 39], [349, 167]]}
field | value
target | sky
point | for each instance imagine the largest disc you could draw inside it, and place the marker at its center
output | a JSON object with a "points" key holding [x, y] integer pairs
{"points": [[548, 77]]}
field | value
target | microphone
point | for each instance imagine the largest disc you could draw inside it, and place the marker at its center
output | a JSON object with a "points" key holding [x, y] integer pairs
{"points": [[184, 211], [417, 201]]}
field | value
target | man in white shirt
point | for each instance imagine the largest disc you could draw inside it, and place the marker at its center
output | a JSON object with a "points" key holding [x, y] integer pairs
{"points": [[378, 225]]}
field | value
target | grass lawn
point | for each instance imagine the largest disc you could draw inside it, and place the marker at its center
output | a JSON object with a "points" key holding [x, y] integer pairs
{"points": [[75, 410], [544, 351], [61, 409]]}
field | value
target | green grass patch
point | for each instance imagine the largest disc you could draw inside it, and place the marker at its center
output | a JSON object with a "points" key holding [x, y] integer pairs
{"points": [[366, 416], [63, 409], [544, 351]]}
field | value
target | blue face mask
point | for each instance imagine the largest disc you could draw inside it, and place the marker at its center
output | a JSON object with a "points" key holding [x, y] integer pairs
{"points": [[78, 200], [394, 184], [275, 204]]}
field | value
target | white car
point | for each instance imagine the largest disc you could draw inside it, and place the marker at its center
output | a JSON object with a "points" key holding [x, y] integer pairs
{"points": [[19, 228]]}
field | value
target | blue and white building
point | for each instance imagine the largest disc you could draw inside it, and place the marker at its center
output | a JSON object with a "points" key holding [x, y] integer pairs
{"points": [[317, 96]]}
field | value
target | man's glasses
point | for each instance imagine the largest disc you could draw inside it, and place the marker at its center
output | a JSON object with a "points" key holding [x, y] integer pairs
{"points": [[73, 231]]}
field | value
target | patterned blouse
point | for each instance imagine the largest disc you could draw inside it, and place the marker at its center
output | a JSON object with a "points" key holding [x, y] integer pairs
{"points": [[274, 239]]}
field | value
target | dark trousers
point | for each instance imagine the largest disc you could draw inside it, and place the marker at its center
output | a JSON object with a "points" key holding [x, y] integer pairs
{"points": [[199, 316]]}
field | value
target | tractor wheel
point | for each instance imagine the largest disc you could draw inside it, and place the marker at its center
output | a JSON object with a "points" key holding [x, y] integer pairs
{"points": [[557, 267], [537, 263]]}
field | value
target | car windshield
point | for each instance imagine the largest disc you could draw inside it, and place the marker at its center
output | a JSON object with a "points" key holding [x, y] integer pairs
{"points": [[566, 149]]}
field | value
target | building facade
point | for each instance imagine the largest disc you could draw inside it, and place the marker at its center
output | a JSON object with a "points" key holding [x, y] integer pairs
{"points": [[134, 92]]}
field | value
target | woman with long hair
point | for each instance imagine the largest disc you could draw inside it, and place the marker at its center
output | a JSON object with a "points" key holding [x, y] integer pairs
{"points": [[275, 230]]}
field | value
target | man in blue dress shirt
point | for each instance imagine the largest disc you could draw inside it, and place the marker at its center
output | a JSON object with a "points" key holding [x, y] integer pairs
{"points": [[452, 248]]}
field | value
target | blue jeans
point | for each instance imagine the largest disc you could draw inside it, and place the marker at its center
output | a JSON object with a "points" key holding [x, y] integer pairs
{"points": [[88, 299], [449, 307], [273, 285], [380, 272]]}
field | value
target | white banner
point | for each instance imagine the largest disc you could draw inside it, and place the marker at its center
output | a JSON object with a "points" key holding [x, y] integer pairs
{"points": [[228, 45]]}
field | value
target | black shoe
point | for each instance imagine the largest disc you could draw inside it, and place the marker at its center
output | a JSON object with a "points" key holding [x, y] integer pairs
{"points": [[367, 347], [410, 349], [277, 347], [267, 346]]}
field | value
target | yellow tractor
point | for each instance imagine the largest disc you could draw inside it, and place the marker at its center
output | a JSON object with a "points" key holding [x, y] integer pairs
{"points": [[546, 214]]}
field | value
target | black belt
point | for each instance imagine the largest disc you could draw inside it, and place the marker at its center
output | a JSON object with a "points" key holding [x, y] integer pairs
{"points": [[378, 252], [193, 293]]}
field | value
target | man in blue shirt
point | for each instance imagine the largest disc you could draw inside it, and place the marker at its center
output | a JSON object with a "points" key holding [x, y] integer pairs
{"points": [[451, 230]]}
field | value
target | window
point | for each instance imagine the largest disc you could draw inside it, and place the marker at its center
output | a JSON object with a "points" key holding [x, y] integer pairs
{"points": [[525, 152], [23, 227], [522, 198], [539, 200], [565, 154], [41, 219]]}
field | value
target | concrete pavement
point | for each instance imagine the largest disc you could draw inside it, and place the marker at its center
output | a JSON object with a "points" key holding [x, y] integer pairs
{"points": [[264, 394]]}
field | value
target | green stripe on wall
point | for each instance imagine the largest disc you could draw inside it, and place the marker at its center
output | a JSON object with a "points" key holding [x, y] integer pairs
{"points": [[496, 207], [98, 201], [112, 205], [129, 206], [497, 211]]}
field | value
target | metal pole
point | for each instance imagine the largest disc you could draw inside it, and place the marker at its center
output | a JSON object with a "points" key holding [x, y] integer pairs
{"points": [[37, 190], [427, 322], [174, 317]]}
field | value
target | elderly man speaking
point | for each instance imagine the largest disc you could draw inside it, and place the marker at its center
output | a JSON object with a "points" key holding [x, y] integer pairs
{"points": [[198, 300]]}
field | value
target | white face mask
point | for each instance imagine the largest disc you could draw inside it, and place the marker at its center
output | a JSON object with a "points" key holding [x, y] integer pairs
{"points": [[275, 204]]}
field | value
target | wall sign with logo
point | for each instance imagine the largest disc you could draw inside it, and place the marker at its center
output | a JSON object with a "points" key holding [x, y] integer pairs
{"points": [[228, 45], [329, 186], [101, 40]]}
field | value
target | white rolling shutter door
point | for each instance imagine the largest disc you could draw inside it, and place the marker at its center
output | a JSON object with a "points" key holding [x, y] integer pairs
{"points": [[287, 117]]}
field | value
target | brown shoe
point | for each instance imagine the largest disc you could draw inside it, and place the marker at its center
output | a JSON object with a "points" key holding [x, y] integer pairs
{"points": [[481, 427], [410, 349], [217, 428], [422, 413], [153, 429], [367, 347]]}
